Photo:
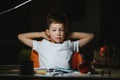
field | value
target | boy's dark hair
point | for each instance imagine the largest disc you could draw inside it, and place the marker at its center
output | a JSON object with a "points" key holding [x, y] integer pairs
{"points": [[56, 17]]}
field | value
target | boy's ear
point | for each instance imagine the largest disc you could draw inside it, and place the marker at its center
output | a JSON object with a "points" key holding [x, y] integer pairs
{"points": [[47, 32]]}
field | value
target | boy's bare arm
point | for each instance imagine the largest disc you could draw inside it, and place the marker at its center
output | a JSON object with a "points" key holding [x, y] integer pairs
{"points": [[27, 38], [83, 37]]}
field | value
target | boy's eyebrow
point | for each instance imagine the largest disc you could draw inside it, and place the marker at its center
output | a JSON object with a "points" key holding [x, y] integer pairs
{"points": [[52, 28], [59, 29], [56, 28]]}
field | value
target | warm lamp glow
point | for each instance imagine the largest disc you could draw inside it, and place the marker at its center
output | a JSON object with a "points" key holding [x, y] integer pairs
{"points": [[103, 50]]}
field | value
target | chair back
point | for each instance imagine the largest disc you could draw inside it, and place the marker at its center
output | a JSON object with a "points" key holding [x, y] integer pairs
{"points": [[34, 58]]}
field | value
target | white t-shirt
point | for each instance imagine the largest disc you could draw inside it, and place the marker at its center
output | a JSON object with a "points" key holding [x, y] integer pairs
{"points": [[52, 55]]}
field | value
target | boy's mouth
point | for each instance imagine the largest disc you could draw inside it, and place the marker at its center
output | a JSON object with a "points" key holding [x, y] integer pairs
{"points": [[58, 37]]}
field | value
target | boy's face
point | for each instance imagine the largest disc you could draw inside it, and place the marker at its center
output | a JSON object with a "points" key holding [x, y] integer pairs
{"points": [[56, 32]]}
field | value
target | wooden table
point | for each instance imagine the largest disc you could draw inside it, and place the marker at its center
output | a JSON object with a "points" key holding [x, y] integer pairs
{"points": [[12, 73]]}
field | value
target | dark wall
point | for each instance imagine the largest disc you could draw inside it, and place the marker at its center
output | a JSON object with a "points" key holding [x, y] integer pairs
{"points": [[39, 12], [11, 23], [110, 22], [97, 16]]}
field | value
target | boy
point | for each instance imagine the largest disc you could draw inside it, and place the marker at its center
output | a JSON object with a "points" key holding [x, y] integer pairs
{"points": [[55, 49]]}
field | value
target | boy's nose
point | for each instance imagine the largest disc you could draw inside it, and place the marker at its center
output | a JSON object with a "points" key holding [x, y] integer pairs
{"points": [[58, 32]]}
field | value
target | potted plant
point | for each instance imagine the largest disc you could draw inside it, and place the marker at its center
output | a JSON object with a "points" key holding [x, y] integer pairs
{"points": [[26, 65]]}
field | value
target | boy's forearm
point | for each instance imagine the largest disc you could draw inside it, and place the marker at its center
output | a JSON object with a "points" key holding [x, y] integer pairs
{"points": [[81, 35], [31, 35], [27, 38]]}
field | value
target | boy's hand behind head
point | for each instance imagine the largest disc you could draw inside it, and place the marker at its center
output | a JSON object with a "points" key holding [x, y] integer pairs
{"points": [[45, 36]]}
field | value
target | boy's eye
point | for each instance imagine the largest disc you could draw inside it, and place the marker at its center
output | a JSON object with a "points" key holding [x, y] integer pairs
{"points": [[53, 30], [62, 30], [59, 30]]}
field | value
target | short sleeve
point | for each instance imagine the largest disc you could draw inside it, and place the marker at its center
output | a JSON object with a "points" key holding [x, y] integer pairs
{"points": [[76, 46], [35, 45]]}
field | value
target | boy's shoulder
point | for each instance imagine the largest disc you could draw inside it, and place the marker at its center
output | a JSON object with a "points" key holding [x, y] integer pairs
{"points": [[70, 41]]}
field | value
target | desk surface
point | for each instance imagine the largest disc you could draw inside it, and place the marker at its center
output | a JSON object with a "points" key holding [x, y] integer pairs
{"points": [[12, 72]]}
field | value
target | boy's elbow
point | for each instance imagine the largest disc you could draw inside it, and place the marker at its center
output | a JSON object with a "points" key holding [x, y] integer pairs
{"points": [[19, 36], [91, 36]]}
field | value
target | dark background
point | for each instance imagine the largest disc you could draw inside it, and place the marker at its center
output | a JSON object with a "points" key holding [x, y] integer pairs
{"points": [[100, 17]]}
